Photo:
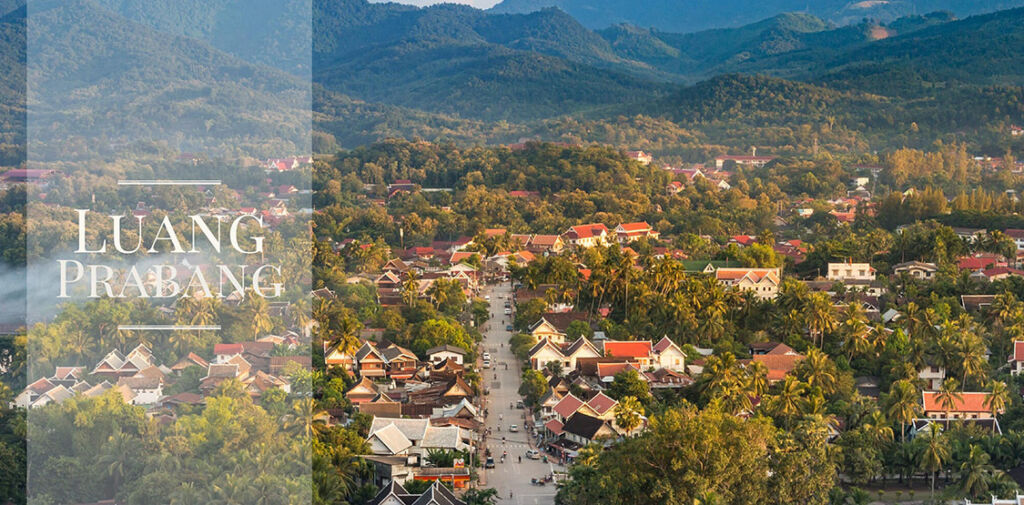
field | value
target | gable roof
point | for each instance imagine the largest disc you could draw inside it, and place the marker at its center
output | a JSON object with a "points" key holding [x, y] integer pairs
{"points": [[968, 402], [551, 396], [583, 425], [664, 344], [580, 344], [634, 227], [1018, 351], [587, 231], [367, 350], [560, 321], [568, 405], [628, 348], [437, 494], [541, 345], [755, 275], [393, 352], [189, 360], [554, 426], [393, 439], [393, 489], [602, 403]]}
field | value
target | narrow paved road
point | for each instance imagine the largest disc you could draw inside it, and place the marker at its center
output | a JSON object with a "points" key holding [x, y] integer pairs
{"points": [[502, 379]]}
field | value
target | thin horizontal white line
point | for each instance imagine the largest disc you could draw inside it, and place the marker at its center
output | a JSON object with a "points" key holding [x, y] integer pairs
{"points": [[169, 182], [168, 327]]}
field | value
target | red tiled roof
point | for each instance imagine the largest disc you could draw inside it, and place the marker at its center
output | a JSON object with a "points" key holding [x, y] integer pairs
{"points": [[601, 403], [544, 240], [588, 230], [227, 349], [778, 365], [1001, 271], [628, 348], [611, 369], [1018, 350], [968, 402], [980, 262], [663, 344], [460, 255], [568, 405], [635, 227], [743, 239], [526, 255], [554, 426]]}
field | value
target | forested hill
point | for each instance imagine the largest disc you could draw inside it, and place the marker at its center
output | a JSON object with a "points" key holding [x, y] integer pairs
{"points": [[984, 50], [691, 16], [161, 86], [458, 60], [786, 44]]}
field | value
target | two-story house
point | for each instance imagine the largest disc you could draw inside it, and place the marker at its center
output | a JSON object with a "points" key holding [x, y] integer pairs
{"points": [[586, 235], [763, 282]]}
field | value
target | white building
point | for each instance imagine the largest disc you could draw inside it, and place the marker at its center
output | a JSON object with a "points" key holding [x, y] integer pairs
{"points": [[850, 272]]}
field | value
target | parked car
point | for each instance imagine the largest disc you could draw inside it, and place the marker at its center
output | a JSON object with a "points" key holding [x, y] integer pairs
{"points": [[520, 404], [509, 328], [533, 454], [513, 428], [508, 311], [487, 363], [489, 463]]}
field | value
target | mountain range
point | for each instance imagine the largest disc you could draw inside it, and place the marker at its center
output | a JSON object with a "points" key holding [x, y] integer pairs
{"points": [[683, 16], [458, 73]]}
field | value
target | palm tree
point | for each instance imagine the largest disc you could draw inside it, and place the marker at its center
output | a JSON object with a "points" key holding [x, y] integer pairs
{"points": [[903, 404], [788, 403], [877, 427], [818, 371], [949, 396], [301, 419], [998, 398], [819, 317], [857, 333], [975, 472], [935, 452], [410, 287], [757, 378], [629, 413], [300, 316], [257, 310], [971, 353], [205, 312]]}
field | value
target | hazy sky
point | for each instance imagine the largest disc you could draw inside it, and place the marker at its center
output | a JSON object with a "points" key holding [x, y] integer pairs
{"points": [[482, 4]]}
